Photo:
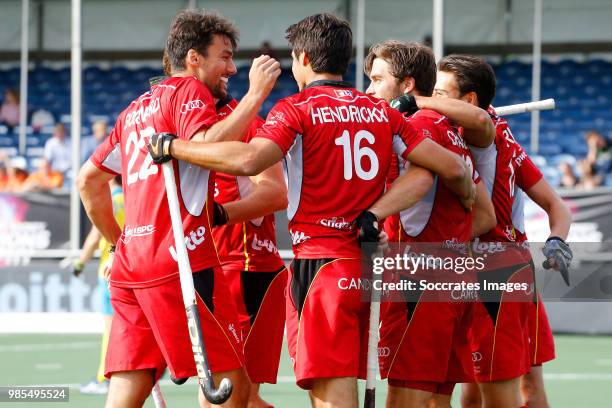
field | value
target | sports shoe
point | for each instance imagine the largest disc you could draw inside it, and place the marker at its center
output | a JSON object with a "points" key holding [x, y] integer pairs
{"points": [[95, 387]]}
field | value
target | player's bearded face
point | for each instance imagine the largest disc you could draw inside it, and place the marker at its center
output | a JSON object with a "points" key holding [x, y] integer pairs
{"points": [[217, 66], [382, 83]]}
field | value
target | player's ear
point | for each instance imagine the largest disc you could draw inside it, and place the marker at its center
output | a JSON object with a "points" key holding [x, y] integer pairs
{"points": [[192, 57], [407, 85], [471, 97], [303, 58]]}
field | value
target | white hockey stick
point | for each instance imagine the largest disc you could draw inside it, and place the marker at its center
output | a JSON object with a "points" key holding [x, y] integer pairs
{"points": [[158, 397], [546, 104], [213, 395], [369, 400]]}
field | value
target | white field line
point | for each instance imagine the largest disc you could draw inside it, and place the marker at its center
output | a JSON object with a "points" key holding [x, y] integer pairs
{"points": [[77, 345], [48, 366]]}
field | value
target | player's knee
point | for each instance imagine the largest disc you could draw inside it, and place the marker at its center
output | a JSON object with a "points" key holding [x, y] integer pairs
{"points": [[129, 389], [470, 396], [334, 392]]}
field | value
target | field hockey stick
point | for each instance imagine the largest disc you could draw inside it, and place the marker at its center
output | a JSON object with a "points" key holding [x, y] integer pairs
{"points": [[212, 394], [369, 400], [158, 397], [546, 104]]}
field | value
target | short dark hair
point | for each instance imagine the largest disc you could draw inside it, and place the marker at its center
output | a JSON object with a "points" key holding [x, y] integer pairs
{"points": [[194, 29], [326, 39], [473, 75], [406, 59]]}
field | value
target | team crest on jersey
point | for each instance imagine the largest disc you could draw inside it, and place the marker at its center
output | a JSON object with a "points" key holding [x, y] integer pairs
{"points": [[426, 133], [343, 93], [192, 105], [298, 237], [275, 117]]}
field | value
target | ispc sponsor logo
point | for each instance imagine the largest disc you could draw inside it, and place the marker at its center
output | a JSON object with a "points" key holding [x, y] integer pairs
{"points": [[258, 245], [384, 352], [138, 231], [298, 237], [476, 357], [192, 105], [192, 241], [337, 223]]}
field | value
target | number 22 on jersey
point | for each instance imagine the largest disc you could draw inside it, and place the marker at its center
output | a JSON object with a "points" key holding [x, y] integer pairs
{"points": [[136, 145]]}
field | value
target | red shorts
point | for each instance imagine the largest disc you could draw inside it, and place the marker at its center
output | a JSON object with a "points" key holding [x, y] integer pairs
{"points": [[423, 344], [327, 321], [541, 341], [149, 329], [497, 330], [260, 300]]}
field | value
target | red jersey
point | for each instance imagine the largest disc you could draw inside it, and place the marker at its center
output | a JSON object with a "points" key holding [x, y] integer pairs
{"points": [[506, 170], [145, 254], [337, 143], [251, 245], [439, 216]]}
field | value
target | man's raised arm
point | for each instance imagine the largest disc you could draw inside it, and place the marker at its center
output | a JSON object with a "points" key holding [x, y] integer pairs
{"points": [[478, 129]]}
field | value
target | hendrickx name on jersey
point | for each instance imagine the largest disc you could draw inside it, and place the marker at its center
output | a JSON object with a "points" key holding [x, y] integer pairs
{"points": [[344, 114]]}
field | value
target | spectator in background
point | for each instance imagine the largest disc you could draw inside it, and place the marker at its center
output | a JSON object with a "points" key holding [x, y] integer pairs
{"points": [[91, 143], [9, 111], [41, 118], [44, 179], [590, 179], [599, 156], [58, 151], [568, 177], [17, 172], [3, 176]]}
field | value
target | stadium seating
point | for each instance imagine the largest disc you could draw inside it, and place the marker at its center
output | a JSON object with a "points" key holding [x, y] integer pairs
{"points": [[583, 92]]}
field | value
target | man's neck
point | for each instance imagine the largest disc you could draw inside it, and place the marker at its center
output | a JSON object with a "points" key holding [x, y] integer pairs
{"points": [[323, 77]]}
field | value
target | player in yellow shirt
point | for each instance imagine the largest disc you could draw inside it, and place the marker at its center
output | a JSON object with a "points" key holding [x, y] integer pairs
{"points": [[95, 240]]}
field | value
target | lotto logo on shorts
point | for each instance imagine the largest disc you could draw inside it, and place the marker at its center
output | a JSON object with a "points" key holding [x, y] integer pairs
{"points": [[191, 105]]}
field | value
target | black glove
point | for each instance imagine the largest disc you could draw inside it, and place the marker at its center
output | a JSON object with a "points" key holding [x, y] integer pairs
{"points": [[368, 233], [406, 104], [77, 267], [558, 256], [159, 147], [220, 216]]}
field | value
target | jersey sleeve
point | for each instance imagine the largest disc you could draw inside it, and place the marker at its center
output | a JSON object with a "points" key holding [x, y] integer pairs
{"points": [[527, 174], [193, 109], [408, 134], [282, 126], [253, 128], [107, 156]]}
